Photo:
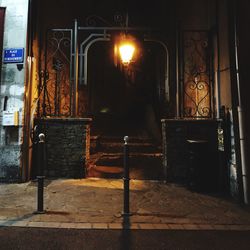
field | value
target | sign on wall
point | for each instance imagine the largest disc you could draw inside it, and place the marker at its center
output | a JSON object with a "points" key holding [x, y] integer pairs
{"points": [[10, 118], [13, 55]]}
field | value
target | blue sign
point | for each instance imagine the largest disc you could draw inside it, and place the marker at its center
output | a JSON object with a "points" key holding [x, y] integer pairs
{"points": [[14, 55]]}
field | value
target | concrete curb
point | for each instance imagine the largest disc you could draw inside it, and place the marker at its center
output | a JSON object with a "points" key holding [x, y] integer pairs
{"points": [[119, 226]]}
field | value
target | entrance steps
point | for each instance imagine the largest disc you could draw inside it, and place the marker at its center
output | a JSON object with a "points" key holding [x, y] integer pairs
{"points": [[145, 158]]}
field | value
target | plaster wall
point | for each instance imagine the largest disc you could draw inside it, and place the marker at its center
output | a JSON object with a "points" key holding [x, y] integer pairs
{"points": [[224, 63], [12, 87]]}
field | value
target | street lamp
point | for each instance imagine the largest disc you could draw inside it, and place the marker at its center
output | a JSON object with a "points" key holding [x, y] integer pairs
{"points": [[126, 48], [126, 51]]}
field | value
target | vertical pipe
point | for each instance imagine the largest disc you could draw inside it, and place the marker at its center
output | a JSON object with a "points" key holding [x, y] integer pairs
{"points": [[25, 169], [40, 193], [126, 178], [40, 176], [177, 74], [241, 121], [217, 88], [166, 75], [70, 72], [164, 149], [45, 75], [75, 88], [236, 100], [243, 157]]}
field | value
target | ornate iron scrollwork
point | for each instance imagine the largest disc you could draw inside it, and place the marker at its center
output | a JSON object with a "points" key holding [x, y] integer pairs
{"points": [[197, 79], [95, 20], [56, 96]]}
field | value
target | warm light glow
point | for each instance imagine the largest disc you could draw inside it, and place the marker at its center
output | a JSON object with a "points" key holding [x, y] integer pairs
{"points": [[126, 52]]}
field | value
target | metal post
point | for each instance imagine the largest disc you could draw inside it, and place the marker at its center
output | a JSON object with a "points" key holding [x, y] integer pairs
{"points": [[40, 176], [177, 73], [75, 86], [126, 178]]}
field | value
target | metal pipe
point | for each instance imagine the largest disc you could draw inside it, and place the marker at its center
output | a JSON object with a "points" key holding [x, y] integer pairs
{"points": [[164, 149], [116, 28], [71, 73], [45, 77], [240, 120], [218, 71], [75, 85], [40, 176], [126, 178], [86, 56], [27, 114], [167, 96], [238, 112], [243, 157], [177, 74], [40, 193]]}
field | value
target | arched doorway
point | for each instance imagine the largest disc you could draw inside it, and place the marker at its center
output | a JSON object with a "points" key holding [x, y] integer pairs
{"points": [[126, 101]]}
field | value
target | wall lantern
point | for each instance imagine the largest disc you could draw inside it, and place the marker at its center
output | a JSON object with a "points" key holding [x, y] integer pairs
{"points": [[126, 51], [125, 48]]}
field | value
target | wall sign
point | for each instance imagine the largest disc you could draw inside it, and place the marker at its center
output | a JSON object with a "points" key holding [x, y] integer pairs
{"points": [[10, 118], [14, 55]]}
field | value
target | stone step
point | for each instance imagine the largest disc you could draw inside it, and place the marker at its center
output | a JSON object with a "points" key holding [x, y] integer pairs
{"points": [[117, 147], [116, 172], [145, 158], [135, 160], [132, 139]]}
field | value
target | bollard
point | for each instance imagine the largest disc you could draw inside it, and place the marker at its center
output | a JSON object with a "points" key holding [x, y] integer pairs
{"points": [[40, 176], [126, 178]]}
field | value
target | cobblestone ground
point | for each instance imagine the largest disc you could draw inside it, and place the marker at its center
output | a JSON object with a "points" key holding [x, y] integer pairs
{"points": [[100, 201]]}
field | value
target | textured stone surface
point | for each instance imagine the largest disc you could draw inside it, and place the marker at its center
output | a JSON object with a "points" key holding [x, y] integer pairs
{"points": [[101, 201], [67, 146], [176, 154]]}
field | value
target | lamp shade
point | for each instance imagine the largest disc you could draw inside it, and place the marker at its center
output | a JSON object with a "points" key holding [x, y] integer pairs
{"points": [[126, 50]]}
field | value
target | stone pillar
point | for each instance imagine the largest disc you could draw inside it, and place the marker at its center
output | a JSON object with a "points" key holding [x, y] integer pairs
{"points": [[67, 146]]}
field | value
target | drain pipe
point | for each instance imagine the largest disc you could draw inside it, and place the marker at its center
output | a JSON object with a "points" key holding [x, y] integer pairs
{"points": [[243, 156], [240, 113]]}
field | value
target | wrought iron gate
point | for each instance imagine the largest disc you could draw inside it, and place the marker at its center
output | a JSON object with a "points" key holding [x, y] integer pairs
{"points": [[56, 91], [197, 80], [66, 65]]}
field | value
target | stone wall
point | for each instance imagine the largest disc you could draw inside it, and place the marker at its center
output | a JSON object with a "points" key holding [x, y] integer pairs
{"points": [[12, 87], [67, 146], [176, 155]]}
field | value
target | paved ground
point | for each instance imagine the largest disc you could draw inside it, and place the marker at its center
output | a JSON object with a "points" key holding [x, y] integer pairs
{"points": [[98, 204], [26, 238]]}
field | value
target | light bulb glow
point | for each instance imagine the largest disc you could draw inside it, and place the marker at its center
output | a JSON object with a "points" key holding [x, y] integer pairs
{"points": [[126, 52]]}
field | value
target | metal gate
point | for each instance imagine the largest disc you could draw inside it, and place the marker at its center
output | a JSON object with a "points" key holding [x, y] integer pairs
{"points": [[66, 64]]}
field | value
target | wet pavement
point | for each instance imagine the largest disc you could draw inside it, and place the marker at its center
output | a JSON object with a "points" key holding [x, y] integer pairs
{"points": [[95, 203]]}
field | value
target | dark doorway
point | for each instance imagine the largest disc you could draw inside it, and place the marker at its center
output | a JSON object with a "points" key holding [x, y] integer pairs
{"points": [[125, 101]]}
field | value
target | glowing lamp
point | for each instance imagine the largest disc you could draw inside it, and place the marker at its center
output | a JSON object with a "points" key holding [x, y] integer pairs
{"points": [[126, 51]]}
